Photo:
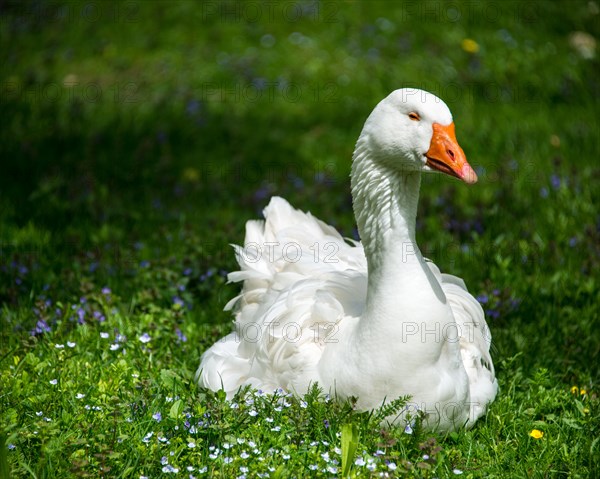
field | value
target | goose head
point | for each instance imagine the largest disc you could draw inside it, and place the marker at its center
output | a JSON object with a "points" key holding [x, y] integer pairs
{"points": [[412, 130]]}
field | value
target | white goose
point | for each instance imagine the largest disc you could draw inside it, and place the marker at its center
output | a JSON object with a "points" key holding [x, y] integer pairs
{"points": [[374, 320]]}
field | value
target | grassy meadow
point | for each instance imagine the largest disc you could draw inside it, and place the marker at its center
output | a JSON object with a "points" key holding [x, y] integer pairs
{"points": [[137, 139]]}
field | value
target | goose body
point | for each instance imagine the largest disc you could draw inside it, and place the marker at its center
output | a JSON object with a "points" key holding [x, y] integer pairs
{"points": [[373, 319]]}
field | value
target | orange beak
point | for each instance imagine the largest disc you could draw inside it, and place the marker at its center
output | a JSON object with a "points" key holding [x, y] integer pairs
{"points": [[447, 156]]}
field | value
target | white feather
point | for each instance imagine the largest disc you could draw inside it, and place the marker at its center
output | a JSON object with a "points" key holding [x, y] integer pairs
{"points": [[374, 320]]}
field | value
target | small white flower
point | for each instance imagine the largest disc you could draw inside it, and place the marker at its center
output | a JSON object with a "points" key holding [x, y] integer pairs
{"points": [[244, 455], [276, 428], [190, 468], [337, 450], [226, 445], [80, 396], [332, 469], [203, 469], [269, 419], [59, 346], [313, 467], [39, 413], [227, 460], [114, 346], [54, 382], [285, 457], [392, 466], [325, 456], [240, 440], [191, 444], [243, 469], [145, 338], [251, 444], [408, 429], [303, 404], [147, 437], [104, 335], [71, 344], [252, 413], [360, 462], [47, 419], [457, 471]]}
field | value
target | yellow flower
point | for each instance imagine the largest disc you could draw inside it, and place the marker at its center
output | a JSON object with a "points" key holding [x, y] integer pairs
{"points": [[536, 434], [574, 390], [583, 392], [469, 45], [586, 410]]}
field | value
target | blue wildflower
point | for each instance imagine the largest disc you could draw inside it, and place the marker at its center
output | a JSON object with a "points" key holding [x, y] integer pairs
{"points": [[180, 336]]}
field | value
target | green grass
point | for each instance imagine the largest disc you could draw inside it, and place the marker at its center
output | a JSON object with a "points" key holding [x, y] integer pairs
{"points": [[120, 195]]}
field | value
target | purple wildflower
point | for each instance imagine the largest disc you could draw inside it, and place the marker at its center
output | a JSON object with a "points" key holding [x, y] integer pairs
{"points": [[41, 327], [177, 300], [573, 241], [181, 338]]}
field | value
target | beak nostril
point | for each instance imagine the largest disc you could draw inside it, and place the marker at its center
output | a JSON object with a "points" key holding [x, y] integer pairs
{"points": [[450, 153]]}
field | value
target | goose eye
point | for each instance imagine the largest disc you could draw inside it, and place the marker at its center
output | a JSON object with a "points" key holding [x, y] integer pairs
{"points": [[414, 116]]}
